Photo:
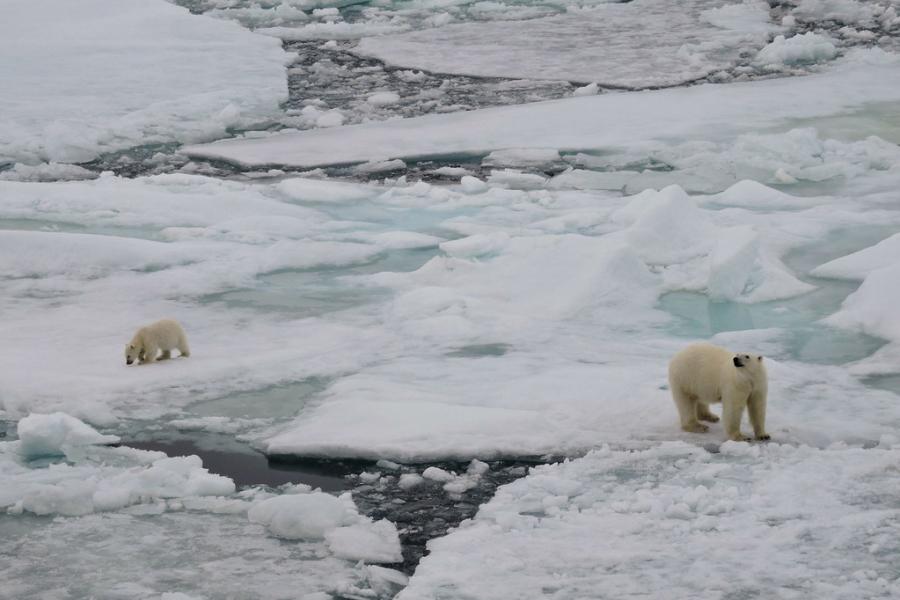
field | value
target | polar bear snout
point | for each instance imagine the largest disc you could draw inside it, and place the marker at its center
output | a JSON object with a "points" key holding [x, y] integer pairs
{"points": [[738, 362]]}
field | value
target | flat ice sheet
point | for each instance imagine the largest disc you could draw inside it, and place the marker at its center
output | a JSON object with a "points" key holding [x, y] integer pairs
{"points": [[644, 43], [705, 112], [96, 76]]}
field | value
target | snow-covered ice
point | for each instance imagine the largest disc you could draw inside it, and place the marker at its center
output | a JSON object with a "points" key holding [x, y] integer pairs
{"points": [[678, 522], [105, 75], [523, 304], [708, 112]]}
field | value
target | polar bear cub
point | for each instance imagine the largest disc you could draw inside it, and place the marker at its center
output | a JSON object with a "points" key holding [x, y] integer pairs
{"points": [[703, 374], [164, 335]]}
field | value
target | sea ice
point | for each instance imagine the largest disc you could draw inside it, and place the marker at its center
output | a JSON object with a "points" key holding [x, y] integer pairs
{"points": [[206, 555], [94, 480], [615, 120], [676, 521], [105, 75], [632, 44]]}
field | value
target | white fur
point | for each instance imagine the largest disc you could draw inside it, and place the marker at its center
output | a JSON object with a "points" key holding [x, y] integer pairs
{"points": [[703, 374], [165, 335]]}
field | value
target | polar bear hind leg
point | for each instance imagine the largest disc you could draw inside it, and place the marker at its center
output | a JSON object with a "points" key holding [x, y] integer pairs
{"points": [[183, 346], [687, 409], [704, 414]]}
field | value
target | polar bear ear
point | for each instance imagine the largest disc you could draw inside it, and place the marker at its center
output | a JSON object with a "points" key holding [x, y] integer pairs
{"points": [[738, 362]]}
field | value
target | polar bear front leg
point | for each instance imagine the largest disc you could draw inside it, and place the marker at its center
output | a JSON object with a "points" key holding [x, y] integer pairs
{"points": [[150, 353], [756, 408], [732, 412]]}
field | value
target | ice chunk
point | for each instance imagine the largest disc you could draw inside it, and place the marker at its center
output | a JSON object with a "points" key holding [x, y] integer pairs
{"points": [[752, 194], [860, 264], [873, 307], [376, 542], [591, 89], [386, 582], [383, 98], [54, 434], [666, 227], [472, 185], [517, 180], [804, 48], [410, 480], [303, 516], [732, 262], [438, 474]]}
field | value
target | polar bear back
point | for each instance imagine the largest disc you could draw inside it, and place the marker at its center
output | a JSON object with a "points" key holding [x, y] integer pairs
{"points": [[698, 371], [165, 334]]}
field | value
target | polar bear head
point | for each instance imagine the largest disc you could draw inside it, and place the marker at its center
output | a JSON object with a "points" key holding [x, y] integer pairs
{"points": [[132, 353], [753, 363]]}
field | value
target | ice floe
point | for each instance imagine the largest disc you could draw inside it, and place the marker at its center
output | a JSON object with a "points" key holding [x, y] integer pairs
{"points": [[108, 75], [707, 113]]}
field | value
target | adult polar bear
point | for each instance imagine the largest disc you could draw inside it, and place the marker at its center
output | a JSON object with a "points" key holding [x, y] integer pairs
{"points": [[703, 374]]}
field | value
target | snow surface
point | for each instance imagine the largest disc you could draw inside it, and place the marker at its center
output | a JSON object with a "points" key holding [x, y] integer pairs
{"points": [[80, 79], [707, 112]]}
